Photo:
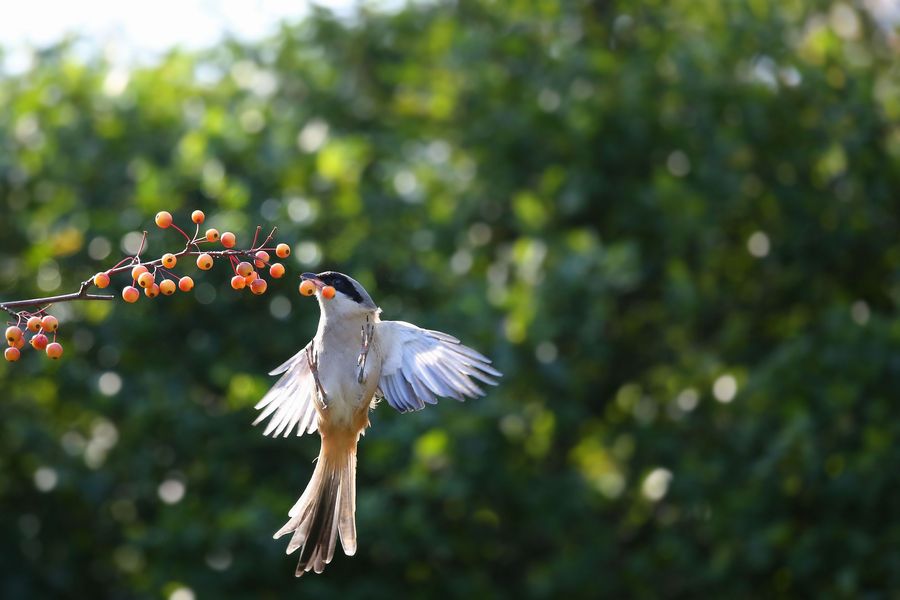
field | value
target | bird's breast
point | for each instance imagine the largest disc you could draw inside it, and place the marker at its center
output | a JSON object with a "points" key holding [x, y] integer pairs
{"points": [[338, 368]]}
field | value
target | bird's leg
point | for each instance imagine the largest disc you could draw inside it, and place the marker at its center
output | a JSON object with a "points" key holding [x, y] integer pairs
{"points": [[312, 358], [367, 333]]}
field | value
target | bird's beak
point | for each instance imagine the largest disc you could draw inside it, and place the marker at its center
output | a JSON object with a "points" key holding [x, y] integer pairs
{"points": [[314, 278]]}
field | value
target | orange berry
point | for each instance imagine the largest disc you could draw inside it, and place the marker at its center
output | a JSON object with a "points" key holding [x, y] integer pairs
{"points": [[276, 271], [169, 260], [251, 277], [163, 219], [54, 350], [12, 354], [262, 259], [146, 280], [212, 235], [39, 341], [138, 271], [197, 216], [101, 280], [19, 343], [205, 262], [282, 250], [152, 291], [307, 288], [13, 335], [185, 284], [49, 323], [34, 324], [328, 292], [228, 239], [130, 294], [167, 287], [238, 282], [259, 286], [244, 268]]}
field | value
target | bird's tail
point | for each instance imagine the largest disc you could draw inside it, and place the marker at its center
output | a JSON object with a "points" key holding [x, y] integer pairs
{"points": [[327, 508]]}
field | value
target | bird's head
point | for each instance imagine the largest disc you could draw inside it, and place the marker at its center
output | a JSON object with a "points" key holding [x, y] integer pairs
{"points": [[350, 297]]}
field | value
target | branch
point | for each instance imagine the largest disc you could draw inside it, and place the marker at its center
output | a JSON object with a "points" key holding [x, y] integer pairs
{"points": [[30, 318], [192, 247]]}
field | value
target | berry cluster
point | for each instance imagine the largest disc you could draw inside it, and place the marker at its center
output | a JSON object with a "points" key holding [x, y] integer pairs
{"points": [[40, 326], [154, 277]]}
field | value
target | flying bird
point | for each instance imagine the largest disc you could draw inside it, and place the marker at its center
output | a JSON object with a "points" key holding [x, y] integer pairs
{"points": [[330, 386]]}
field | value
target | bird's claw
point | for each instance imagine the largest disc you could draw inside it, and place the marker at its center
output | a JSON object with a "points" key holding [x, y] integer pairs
{"points": [[367, 333], [312, 358]]}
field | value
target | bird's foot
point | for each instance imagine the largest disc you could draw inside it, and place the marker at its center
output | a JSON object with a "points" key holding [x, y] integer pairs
{"points": [[367, 333], [312, 358]]}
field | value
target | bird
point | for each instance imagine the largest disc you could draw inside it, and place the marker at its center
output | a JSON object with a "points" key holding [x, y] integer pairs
{"points": [[330, 386]]}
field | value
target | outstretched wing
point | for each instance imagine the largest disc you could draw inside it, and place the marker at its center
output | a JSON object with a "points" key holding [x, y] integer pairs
{"points": [[290, 401], [421, 365]]}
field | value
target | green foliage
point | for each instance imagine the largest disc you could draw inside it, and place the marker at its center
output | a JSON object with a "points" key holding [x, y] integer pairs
{"points": [[673, 224]]}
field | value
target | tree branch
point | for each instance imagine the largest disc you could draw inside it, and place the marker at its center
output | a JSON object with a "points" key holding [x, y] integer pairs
{"points": [[191, 248]]}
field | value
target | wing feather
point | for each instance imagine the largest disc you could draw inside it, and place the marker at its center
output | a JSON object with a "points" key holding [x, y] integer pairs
{"points": [[421, 365], [289, 402]]}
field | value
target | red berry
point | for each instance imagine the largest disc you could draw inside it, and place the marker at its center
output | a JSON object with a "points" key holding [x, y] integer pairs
{"points": [[130, 294], [328, 292], [212, 235], [197, 216], [238, 282], [12, 354], [163, 219], [152, 291], [228, 239], [244, 268], [258, 286], [49, 323], [167, 287], [13, 335], [276, 271], [185, 284], [169, 260], [34, 324], [262, 259], [205, 262], [54, 350], [138, 271], [146, 280], [39, 341], [282, 250], [101, 280], [307, 288]]}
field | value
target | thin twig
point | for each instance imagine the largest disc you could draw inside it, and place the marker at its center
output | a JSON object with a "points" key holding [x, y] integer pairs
{"points": [[268, 239]]}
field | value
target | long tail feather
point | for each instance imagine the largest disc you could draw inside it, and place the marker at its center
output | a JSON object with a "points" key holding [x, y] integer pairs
{"points": [[327, 508]]}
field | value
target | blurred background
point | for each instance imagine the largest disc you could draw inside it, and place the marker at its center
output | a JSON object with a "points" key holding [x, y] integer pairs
{"points": [[673, 225]]}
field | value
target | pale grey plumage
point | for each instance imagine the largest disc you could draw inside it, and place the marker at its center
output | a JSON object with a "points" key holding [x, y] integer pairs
{"points": [[419, 366], [324, 388]]}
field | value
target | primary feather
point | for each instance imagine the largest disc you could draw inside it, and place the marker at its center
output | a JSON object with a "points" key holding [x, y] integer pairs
{"points": [[421, 365]]}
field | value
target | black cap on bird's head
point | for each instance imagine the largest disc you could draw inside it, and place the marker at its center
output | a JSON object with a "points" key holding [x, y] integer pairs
{"points": [[342, 284]]}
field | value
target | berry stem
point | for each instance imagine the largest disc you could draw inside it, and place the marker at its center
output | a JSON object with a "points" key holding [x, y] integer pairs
{"points": [[181, 231], [141, 247], [123, 261], [266, 241]]}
